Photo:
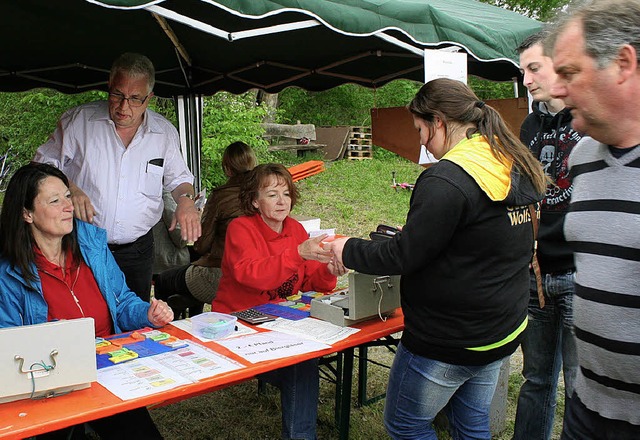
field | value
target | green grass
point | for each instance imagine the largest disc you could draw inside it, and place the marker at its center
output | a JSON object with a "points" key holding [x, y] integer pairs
{"points": [[353, 197], [241, 412]]}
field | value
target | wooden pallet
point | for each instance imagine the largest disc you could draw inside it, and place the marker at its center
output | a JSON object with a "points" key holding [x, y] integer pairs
{"points": [[360, 154], [357, 134], [360, 130], [360, 141]]}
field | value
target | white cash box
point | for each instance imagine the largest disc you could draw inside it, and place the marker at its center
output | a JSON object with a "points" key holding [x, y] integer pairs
{"points": [[368, 296], [48, 359]]}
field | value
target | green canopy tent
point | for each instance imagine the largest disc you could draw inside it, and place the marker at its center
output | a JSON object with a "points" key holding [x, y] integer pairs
{"points": [[204, 46], [200, 47]]}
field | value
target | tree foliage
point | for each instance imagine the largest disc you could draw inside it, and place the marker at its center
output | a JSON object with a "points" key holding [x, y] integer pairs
{"points": [[542, 10], [348, 104], [28, 118], [228, 118], [486, 89]]}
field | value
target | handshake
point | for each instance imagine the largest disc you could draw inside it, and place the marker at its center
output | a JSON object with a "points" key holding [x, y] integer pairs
{"points": [[326, 249]]}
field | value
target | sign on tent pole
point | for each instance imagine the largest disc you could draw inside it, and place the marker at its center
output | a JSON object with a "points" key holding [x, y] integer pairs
{"points": [[445, 64], [442, 64]]}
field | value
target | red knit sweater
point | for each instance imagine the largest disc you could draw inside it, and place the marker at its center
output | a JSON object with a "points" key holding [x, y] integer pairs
{"points": [[259, 265]]}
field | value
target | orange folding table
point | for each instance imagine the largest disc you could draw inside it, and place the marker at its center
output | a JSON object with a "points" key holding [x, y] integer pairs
{"points": [[26, 418]]}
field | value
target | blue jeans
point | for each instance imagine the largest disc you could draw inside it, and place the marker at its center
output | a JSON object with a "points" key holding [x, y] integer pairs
{"points": [[420, 387], [299, 387], [548, 344]]}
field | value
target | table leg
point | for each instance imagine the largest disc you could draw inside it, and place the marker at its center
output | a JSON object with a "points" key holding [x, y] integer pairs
{"points": [[338, 382], [345, 397], [363, 360]]}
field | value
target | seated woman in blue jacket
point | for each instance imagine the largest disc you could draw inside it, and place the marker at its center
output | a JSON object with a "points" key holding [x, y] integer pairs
{"points": [[54, 267]]}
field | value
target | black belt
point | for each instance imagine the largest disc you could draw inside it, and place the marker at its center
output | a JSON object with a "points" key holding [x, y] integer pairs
{"points": [[118, 247]]}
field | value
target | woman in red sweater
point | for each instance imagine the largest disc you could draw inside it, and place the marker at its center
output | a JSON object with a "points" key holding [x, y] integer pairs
{"points": [[268, 256]]}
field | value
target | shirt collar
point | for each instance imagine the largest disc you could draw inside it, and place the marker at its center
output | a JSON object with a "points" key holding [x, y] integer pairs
{"points": [[149, 124]]}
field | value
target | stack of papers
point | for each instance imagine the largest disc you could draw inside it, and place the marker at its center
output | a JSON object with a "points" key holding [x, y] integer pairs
{"points": [[176, 367], [162, 372]]}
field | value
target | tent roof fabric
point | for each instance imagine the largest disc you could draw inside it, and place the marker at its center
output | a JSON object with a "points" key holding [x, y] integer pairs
{"points": [[204, 46], [489, 32]]}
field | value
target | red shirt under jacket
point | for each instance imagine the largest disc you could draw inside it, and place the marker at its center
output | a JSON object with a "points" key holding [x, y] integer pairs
{"points": [[73, 293], [259, 265]]}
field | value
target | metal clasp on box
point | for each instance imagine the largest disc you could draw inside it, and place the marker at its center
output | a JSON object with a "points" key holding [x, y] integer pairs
{"points": [[377, 283], [52, 366]]}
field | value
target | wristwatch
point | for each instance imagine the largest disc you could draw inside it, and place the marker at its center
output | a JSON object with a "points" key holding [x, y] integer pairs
{"points": [[188, 195]]}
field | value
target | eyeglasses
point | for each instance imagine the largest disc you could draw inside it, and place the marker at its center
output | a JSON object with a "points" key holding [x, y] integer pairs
{"points": [[133, 101]]}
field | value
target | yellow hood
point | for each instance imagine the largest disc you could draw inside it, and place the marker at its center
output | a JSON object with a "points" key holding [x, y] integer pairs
{"points": [[476, 158]]}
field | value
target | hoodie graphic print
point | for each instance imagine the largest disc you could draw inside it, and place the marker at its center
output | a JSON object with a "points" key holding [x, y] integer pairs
{"points": [[551, 139]]}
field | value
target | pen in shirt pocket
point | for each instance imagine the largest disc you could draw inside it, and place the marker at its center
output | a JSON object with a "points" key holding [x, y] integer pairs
{"points": [[157, 162]]}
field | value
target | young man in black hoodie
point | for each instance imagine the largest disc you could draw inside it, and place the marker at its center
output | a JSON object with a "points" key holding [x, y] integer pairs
{"points": [[549, 342]]}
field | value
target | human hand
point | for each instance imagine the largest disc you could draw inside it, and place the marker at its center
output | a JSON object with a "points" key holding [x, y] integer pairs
{"points": [[336, 268], [188, 217], [82, 207], [312, 249], [159, 313], [336, 246]]}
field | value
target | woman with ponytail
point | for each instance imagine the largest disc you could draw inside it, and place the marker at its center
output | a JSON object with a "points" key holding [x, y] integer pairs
{"points": [[464, 258]]}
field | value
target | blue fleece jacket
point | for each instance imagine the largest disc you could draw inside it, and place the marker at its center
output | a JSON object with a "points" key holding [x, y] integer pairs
{"points": [[22, 303]]}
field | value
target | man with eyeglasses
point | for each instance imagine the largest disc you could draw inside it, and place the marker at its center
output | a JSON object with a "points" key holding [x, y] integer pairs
{"points": [[119, 156]]}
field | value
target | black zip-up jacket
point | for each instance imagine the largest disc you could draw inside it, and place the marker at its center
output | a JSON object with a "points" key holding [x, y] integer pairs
{"points": [[464, 260], [551, 138]]}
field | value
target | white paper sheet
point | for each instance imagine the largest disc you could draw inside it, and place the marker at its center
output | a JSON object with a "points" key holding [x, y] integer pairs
{"points": [[140, 377], [197, 362], [316, 232], [312, 329], [270, 345], [444, 63], [154, 374], [425, 156]]}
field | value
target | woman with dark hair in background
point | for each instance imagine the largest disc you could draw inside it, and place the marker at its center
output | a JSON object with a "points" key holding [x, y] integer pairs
{"points": [[189, 286], [54, 267], [464, 257]]}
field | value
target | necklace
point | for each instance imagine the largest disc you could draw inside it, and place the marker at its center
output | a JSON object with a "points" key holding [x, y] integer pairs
{"points": [[58, 260], [73, 285]]}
